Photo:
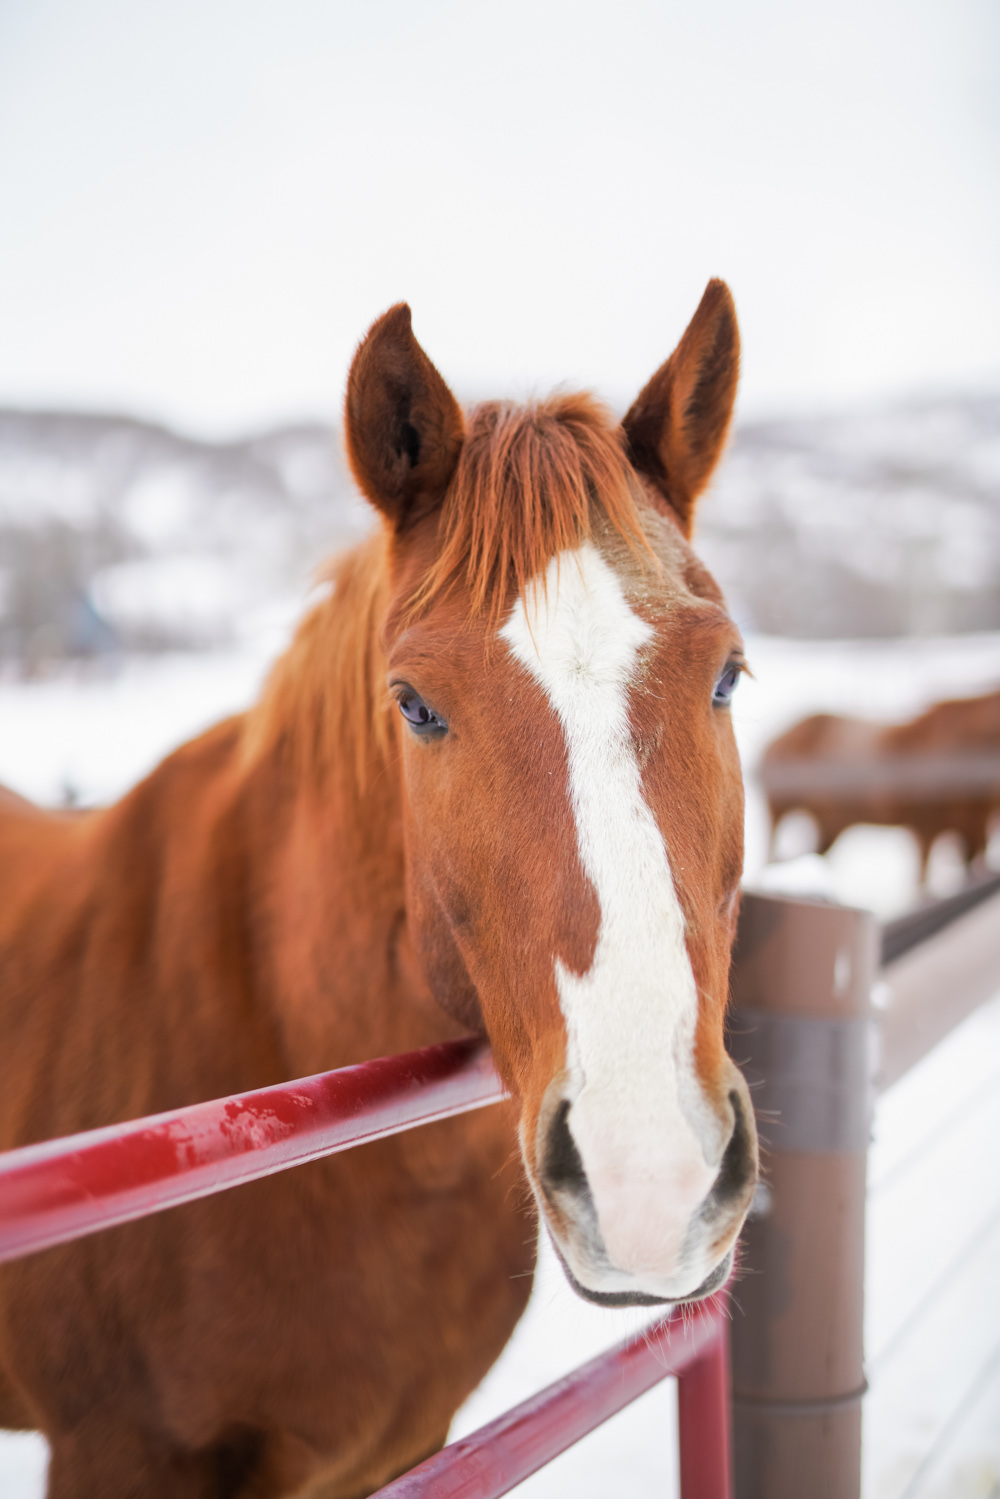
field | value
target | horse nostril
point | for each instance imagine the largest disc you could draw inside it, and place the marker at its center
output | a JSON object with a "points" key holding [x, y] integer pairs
{"points": [[737, 1166], [562, 1168]]}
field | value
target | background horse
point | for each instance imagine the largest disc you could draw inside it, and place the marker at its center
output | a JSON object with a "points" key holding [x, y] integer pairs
{"points": [[937, 773], [492, 785]]}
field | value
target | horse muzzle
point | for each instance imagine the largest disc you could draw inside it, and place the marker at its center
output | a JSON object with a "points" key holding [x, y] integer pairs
{"points": [[645, 1220]]}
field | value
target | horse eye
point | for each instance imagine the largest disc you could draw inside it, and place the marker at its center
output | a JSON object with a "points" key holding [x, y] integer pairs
{"points": [[726, 685], [421, 719]]}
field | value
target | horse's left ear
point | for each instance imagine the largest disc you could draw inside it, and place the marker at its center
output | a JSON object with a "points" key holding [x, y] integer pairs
{"points": [[677, 425], [403, 426]]}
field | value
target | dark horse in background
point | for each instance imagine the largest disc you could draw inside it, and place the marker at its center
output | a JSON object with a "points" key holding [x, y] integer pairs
{"points": [[491, 786], [937, 773]]}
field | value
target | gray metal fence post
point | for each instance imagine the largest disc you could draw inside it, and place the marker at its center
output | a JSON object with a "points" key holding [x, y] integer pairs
{"points": [[802, 1030]]}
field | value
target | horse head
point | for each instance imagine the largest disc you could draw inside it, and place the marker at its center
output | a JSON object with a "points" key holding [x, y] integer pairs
{"points": [[571, 793]]}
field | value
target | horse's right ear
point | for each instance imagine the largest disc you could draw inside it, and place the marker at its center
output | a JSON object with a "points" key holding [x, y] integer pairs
{"points": [[402, 424]]}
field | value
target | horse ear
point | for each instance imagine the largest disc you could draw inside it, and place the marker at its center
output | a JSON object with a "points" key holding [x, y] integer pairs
{"points": [[402, 424], [677, 425]]}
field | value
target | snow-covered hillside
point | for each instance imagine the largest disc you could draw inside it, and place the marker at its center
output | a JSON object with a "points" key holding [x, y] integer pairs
{"points": [[119, 535], [873, 523]]}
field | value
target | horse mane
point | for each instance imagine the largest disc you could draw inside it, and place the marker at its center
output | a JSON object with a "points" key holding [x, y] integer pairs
{"points": [[531, 481], [324, 705]]}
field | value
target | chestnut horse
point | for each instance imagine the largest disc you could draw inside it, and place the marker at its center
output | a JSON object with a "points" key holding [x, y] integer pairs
{"points": [[492, 785], [936, 773]]}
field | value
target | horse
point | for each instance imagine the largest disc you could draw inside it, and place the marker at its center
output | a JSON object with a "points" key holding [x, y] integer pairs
{"points": [[936, 773], [491, 787]]}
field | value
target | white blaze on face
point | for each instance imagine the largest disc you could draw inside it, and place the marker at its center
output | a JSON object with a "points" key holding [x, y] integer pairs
{"points": [[649, 1142]]}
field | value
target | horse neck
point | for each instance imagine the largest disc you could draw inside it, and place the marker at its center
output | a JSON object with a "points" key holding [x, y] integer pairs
{"points": [[345, 982]]}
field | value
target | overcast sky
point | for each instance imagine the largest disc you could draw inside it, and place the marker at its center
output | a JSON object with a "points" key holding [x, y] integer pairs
{"points": [[203, 203]]}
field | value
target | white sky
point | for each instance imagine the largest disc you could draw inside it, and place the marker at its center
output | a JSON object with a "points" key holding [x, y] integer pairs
{"points": [[203, 203]]}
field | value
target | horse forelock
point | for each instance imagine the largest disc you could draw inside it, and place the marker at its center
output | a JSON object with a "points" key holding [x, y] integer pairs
{"points": [[532, 481]]}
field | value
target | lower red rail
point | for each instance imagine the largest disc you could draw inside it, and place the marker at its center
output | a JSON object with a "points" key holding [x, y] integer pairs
{"points": [[690, 1343], [63, 1189]]}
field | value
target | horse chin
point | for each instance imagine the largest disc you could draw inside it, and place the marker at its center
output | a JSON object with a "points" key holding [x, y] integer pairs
{"points": [[712, 1283], [715, 1279]]}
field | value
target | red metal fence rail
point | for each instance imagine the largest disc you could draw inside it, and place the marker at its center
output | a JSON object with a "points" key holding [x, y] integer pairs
{"points": [[690, 1344], [63, 1189]]}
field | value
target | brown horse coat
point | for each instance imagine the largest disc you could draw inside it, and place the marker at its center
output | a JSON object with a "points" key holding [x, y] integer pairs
{"points": [[306, 886], [937, 773]]}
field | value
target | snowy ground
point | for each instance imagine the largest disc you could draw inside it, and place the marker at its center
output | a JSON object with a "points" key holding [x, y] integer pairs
{"points": [[89, 737]]}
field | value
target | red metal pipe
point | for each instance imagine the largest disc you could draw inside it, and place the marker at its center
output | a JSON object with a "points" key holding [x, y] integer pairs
{"points": [[690, 1343], [63, 1189], [703, 1424]]}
